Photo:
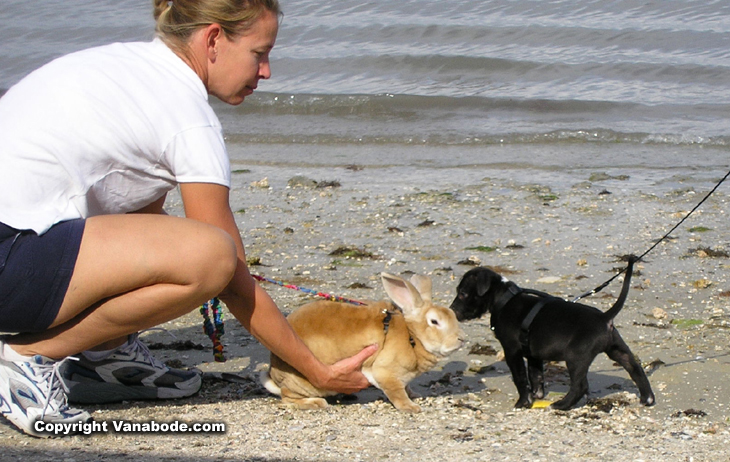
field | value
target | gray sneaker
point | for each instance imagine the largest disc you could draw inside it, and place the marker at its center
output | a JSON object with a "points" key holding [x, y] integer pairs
{"points": [[130, 373], [32, 391]]}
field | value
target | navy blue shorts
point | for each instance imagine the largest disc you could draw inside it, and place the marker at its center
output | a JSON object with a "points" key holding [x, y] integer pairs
{"points": [[34, 274]]}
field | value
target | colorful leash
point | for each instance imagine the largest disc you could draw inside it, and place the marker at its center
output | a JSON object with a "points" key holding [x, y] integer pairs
{"points": [[215, 329], [324, 295]]}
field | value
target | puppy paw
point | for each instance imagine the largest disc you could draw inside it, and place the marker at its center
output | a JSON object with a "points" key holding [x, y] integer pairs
{"points": [[648, 400], [561, 405]]}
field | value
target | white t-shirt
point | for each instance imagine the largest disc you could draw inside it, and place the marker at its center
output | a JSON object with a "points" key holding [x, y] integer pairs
{"points": [[103, 131]]}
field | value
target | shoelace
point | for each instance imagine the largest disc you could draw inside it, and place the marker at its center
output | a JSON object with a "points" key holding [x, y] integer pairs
{"points": [[140, 351], [50, 377]]}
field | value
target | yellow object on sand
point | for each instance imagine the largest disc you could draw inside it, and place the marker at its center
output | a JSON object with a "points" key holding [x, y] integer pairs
{"points": [[549, 399], [541, 404]]}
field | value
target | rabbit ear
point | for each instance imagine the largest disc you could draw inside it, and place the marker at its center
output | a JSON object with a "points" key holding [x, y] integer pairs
{"points": [[402, 293], [423, 285]]}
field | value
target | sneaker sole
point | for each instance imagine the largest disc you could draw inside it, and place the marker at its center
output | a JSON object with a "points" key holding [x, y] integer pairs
{"points": [[27, 427], [21, 424], [104, 393]]}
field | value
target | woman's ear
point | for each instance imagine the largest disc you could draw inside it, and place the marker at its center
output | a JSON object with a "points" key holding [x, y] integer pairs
{"points": [[213, 34]]}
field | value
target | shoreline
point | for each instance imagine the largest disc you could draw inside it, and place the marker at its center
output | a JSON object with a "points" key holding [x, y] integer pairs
{"points": [[564, 243]]}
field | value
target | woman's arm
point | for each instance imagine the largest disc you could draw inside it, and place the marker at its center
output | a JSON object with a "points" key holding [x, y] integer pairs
{"points": [[255, 309]]}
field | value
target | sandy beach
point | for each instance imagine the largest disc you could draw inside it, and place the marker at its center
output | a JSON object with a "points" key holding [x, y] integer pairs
{"points": [[324, 230], [547, 140]]}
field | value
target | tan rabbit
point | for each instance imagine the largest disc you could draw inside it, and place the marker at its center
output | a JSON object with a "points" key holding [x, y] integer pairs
{"points": [[410, 342]]}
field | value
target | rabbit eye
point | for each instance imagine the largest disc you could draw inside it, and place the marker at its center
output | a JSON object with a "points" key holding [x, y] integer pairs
{"points": [[435, 322]]}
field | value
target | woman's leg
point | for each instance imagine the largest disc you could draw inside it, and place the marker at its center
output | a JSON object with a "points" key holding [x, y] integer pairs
{"points": [[134, 272]]}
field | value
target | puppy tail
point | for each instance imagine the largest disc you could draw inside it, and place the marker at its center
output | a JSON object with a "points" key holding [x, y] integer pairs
{"points": [[613, 312]]}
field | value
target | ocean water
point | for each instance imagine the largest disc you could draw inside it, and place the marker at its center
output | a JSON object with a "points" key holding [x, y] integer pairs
{"points": [[451, 92]]}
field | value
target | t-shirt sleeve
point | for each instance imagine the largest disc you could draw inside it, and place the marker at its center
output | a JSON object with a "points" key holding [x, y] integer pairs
{"points": [[199, 155]]}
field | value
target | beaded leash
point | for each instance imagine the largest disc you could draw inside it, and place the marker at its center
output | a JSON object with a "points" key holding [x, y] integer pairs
{"points": [[215, 329]]}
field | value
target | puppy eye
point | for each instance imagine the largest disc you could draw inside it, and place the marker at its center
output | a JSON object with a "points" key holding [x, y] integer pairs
{"points": [[463, 295]]}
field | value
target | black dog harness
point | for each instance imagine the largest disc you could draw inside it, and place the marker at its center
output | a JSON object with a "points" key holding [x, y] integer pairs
{"points": [[512, 291]]}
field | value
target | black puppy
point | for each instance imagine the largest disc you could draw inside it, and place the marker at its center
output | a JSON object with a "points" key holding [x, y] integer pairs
{"points": [[541, 328]]}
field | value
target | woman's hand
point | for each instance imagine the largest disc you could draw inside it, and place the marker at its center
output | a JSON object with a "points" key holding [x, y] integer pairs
{"points": [[345, 376]]}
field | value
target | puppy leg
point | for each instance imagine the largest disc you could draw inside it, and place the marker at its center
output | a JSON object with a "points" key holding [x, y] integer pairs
{"points": [[519, 376], [537, 377], [621, 353], [578, 370]]}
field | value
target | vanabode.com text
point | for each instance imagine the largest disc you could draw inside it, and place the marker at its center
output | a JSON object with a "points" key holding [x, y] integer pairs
{"points": [[122, 426]]}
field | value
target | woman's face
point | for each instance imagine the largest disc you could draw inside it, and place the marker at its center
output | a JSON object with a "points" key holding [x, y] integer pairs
{"points": [[240, 62]]}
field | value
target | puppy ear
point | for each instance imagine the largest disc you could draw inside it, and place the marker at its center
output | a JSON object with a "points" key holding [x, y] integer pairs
{"points": [[423, 285], [402, 293], [483, 284]]}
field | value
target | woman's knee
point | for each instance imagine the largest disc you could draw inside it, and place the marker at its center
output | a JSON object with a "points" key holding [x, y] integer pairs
{"points": [[218, 260], [144, 250]]}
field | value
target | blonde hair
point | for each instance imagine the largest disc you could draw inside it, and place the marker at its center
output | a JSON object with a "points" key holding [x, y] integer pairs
{"points": [[177, 20]]}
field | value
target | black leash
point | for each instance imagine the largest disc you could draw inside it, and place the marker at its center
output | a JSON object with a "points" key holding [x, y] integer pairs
{"points": [[602, 286]]}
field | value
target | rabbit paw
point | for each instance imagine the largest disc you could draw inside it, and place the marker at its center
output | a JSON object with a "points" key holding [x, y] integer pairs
{"points": [[306, 403], [408, 407]]}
